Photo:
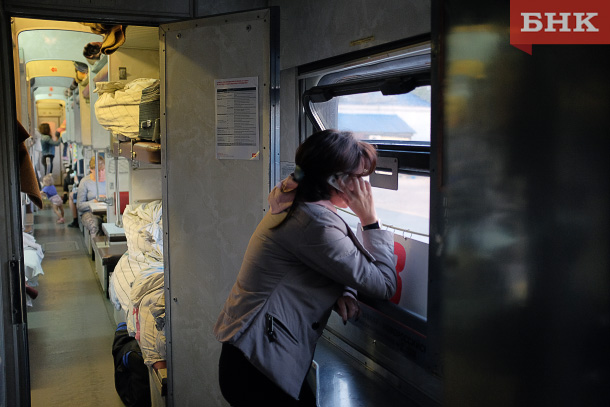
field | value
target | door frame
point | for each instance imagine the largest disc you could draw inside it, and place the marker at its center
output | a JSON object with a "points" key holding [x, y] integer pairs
{"points": [[14, 360], [14, 350]]}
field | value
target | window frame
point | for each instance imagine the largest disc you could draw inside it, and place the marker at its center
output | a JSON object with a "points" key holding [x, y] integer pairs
{"points": [[414, 157]]}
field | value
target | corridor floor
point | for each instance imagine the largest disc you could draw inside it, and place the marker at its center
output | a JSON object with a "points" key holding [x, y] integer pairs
{"points": [[70, 325]]}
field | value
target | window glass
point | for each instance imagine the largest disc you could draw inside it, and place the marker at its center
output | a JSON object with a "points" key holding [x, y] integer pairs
{"points": [[407, 210], [399, 125], [376, 117]]}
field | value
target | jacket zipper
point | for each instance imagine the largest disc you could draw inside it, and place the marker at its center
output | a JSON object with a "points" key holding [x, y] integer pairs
{"points": [[272, 325], [270, 328]]}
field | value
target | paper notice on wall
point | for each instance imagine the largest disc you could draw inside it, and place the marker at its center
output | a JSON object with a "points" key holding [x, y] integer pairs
{"points": [[237, 134]]}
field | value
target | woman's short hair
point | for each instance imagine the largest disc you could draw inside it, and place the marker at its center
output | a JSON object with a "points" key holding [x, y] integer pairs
{"points": [[47, 180], [100, 161], [44, 128], [326, 153]]}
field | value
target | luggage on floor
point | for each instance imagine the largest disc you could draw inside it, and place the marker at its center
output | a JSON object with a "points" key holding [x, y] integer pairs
{"points": [[130, 373]]}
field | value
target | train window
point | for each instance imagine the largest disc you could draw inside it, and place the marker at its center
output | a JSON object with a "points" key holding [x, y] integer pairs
{"points": [[406, 210], [386, 103], [401, 122], [376, 117], [385, 99]]}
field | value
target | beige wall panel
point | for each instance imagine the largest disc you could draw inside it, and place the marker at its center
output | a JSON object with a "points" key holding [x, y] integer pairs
{"points": [[22, 24], [145, 184], [85, 121], [140, 63]]}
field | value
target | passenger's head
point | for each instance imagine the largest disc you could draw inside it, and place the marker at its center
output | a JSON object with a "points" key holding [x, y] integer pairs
{"points": [[47, 180], [101, 168], [101, 163], [44, 128], [326, 153]]}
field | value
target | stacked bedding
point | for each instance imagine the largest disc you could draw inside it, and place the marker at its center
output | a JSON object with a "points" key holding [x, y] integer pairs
{"points": [[118, 106], [137, 284], [32, 258]]}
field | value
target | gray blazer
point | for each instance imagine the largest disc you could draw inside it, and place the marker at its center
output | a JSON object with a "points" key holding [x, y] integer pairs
{"points": [[289, 281]]}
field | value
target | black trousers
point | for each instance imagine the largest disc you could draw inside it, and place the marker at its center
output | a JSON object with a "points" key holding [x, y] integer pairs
{"points": [[44, 163], [244, 385]]}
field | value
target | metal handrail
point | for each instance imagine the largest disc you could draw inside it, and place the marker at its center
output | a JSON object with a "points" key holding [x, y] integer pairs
{"points": [[390, 226]]}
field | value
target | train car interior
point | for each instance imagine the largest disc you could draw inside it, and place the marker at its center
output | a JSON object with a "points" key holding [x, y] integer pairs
{"points": [[170, 123], [59, 86]]}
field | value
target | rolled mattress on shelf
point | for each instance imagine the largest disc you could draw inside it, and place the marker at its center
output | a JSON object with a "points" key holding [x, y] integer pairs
{"points": [[118, 106]]}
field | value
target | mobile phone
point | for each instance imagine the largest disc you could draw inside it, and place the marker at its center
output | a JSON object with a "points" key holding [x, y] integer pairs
{"points": [[332, 180]]}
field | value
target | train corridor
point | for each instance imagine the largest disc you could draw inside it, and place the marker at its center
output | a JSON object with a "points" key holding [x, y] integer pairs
{"points": [[70, 325]]}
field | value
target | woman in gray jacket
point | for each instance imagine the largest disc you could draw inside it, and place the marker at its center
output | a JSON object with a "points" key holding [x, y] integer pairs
{"points": [[302, 261]]}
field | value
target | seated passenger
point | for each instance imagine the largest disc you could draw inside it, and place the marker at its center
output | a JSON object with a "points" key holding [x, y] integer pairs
{"points": [[69, 178], [302, 260], [87, 193]]}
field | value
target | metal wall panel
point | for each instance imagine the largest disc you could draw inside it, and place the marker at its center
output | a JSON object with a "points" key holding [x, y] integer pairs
{"points": [[314, 30], [211, 206], [85, 121], [526, 260], [140, 63], [208, 8], [317, 29], [144, 184], [289, 119], [100, 137]]}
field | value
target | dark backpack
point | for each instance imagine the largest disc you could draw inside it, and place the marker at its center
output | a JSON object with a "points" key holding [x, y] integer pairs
{"points": [[130, 372]]}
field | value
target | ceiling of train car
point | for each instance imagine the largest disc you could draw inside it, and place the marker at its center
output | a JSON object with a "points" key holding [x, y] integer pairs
{"points": [[23, 24], [50, 87], [54, 44], [49, 68], [48, 52], [51, 107], [53, 98], [50, 73], [57, 81], [49, 92]]}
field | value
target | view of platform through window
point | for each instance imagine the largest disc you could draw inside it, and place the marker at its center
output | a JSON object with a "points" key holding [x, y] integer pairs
{"points": [[395, 118], [373, 116]]}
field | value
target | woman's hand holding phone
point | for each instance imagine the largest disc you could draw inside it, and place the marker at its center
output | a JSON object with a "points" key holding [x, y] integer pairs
{"points": [[358, 195]]}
